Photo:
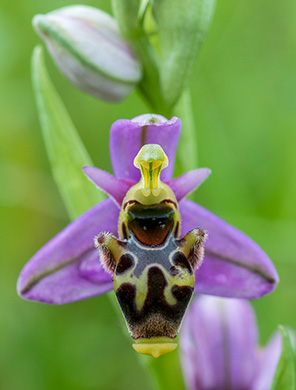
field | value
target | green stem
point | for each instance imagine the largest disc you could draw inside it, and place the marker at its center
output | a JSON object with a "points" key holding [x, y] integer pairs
{"points": [[166, 369], [187, 153], [150, 87]]}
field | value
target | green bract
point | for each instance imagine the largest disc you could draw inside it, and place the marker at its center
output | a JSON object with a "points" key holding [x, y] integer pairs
{"points": [[65, 149], [182, 27], [284, 378]]}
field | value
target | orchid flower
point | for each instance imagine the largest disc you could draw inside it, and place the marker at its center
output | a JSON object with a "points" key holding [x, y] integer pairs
{"points": [[68, 267], [219, 344]]}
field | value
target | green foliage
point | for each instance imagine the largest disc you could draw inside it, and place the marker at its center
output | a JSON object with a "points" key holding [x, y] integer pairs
{"points": [[182, 27], [65, 149], [167, 370], [284, 378], [126, 12]]}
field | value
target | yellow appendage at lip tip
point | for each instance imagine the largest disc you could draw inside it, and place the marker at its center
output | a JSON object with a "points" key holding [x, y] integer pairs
{"points": [[154, 350], [155, 347]]}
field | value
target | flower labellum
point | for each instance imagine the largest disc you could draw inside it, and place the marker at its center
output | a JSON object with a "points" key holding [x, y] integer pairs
{"points": [[152, 269], [87, 47]]}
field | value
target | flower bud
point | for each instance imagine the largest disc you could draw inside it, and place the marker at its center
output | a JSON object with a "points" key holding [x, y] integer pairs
{"points": [[86, 45]]}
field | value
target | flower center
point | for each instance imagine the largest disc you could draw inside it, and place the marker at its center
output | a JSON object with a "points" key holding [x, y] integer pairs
{"points": [[151, 159], [150, 195]]}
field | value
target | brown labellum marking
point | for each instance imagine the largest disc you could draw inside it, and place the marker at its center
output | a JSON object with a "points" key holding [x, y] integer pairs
{"points": [[171, 201], [181, 293], [181, 260], [128, 203], [151, 224], [125, 263], [157, 318]]}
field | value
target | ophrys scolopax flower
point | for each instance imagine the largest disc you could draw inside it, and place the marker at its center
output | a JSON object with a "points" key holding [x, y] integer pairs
{"points": [[67, 268]]}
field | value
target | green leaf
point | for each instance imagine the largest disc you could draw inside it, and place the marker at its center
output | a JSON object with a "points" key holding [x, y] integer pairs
{"points": [[182, 27], [126, 13], [284, 378], [65, 149]]}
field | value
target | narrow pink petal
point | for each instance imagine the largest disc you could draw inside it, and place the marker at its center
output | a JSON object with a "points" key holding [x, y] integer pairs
{"points": [[128, 136], [234, 265], [57, 273], [185, 184], [108, 183]]}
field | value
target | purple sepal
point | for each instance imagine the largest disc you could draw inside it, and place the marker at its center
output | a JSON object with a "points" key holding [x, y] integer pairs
{"points": [[234, 265], [63, 270], [128, 136], [115, 188], [92, 269]]}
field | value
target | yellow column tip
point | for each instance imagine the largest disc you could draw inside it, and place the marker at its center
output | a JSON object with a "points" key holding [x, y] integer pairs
{"points": [[154, 350]]}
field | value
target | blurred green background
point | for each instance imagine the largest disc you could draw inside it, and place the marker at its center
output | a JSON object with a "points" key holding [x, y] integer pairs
{"points": [[244, 93]]}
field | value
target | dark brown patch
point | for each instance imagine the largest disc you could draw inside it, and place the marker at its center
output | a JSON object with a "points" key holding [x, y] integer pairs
{"points": [[151, 224], [170, 201], [181, 260], [155, 325], [128, 203], [157, 318], [125, 263], [182, 293]]}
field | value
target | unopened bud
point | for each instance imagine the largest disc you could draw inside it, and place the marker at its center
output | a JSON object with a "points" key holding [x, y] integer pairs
{"points": [[86, 45]]}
